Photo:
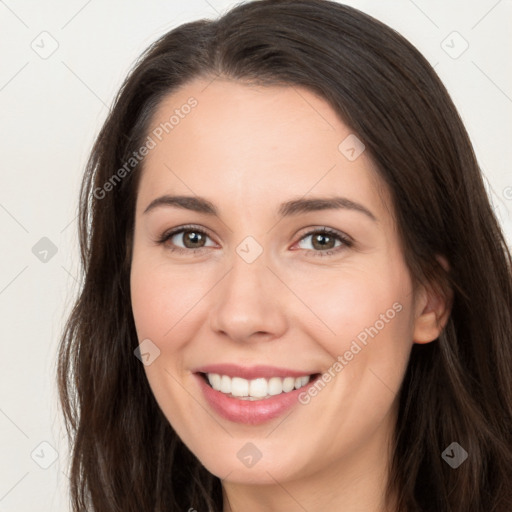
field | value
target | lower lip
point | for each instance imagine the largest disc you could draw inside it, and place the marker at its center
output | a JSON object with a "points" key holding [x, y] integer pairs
{"points": [[250, 412]]}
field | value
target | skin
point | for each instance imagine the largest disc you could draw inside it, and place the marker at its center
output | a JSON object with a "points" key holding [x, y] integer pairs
{"points": [[247, 149]]}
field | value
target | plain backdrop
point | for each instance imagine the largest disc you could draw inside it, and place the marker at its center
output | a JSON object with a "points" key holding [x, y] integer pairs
{"points": [[61, 65]]}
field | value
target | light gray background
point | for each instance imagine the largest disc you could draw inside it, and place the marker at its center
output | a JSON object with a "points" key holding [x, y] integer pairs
{"points": [[53, 107]]}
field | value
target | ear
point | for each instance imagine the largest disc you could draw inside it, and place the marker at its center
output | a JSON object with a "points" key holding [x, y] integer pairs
{"points": [[432, 311]]}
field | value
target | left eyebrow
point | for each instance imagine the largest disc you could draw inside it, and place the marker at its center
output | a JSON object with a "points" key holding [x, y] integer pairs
{"points": [[314, 204], [287, 209]]}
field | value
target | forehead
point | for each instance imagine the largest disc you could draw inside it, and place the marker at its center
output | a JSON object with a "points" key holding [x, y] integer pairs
{"points": [[253, 145]]}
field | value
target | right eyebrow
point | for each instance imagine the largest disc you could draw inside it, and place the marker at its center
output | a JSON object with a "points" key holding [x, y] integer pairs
{"points": [[196, 204]]}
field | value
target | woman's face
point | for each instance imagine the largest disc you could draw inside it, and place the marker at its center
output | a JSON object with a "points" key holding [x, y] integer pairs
{"points": [[265, 296]]}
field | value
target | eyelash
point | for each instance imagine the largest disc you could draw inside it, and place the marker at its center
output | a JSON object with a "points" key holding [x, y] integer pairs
{"points": [[346, 241]]}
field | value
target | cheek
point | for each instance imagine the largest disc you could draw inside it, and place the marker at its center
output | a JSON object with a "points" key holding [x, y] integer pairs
{"points": [[371, 319], [358, 304], [163, 299], [163, 302], [368, 331]]}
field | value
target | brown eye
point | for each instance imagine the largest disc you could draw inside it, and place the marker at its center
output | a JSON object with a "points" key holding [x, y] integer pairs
{"points": [[185, 239], [194, 238], [324, 240]]}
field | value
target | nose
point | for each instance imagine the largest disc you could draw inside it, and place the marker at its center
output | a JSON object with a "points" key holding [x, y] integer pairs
{"points": [[249, 303]]}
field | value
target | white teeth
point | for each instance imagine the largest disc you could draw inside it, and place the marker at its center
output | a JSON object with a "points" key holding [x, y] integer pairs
{"points": [[239, 387], [288, 384], [214, 380], [225, 384], [256, 388], [275, 386]]}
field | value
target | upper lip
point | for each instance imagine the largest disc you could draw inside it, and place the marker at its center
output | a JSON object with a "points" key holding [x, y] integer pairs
{"points": [[251, 372]]}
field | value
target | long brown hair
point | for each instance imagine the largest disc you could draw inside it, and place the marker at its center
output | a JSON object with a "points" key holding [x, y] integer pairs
{"points": [[125, 455]]}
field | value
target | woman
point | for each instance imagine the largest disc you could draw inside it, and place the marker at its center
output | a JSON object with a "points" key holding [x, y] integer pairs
{"points": [[284, 221]]}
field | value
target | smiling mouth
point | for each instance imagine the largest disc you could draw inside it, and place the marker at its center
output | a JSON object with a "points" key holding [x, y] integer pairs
{"points": [[255, 389]]}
